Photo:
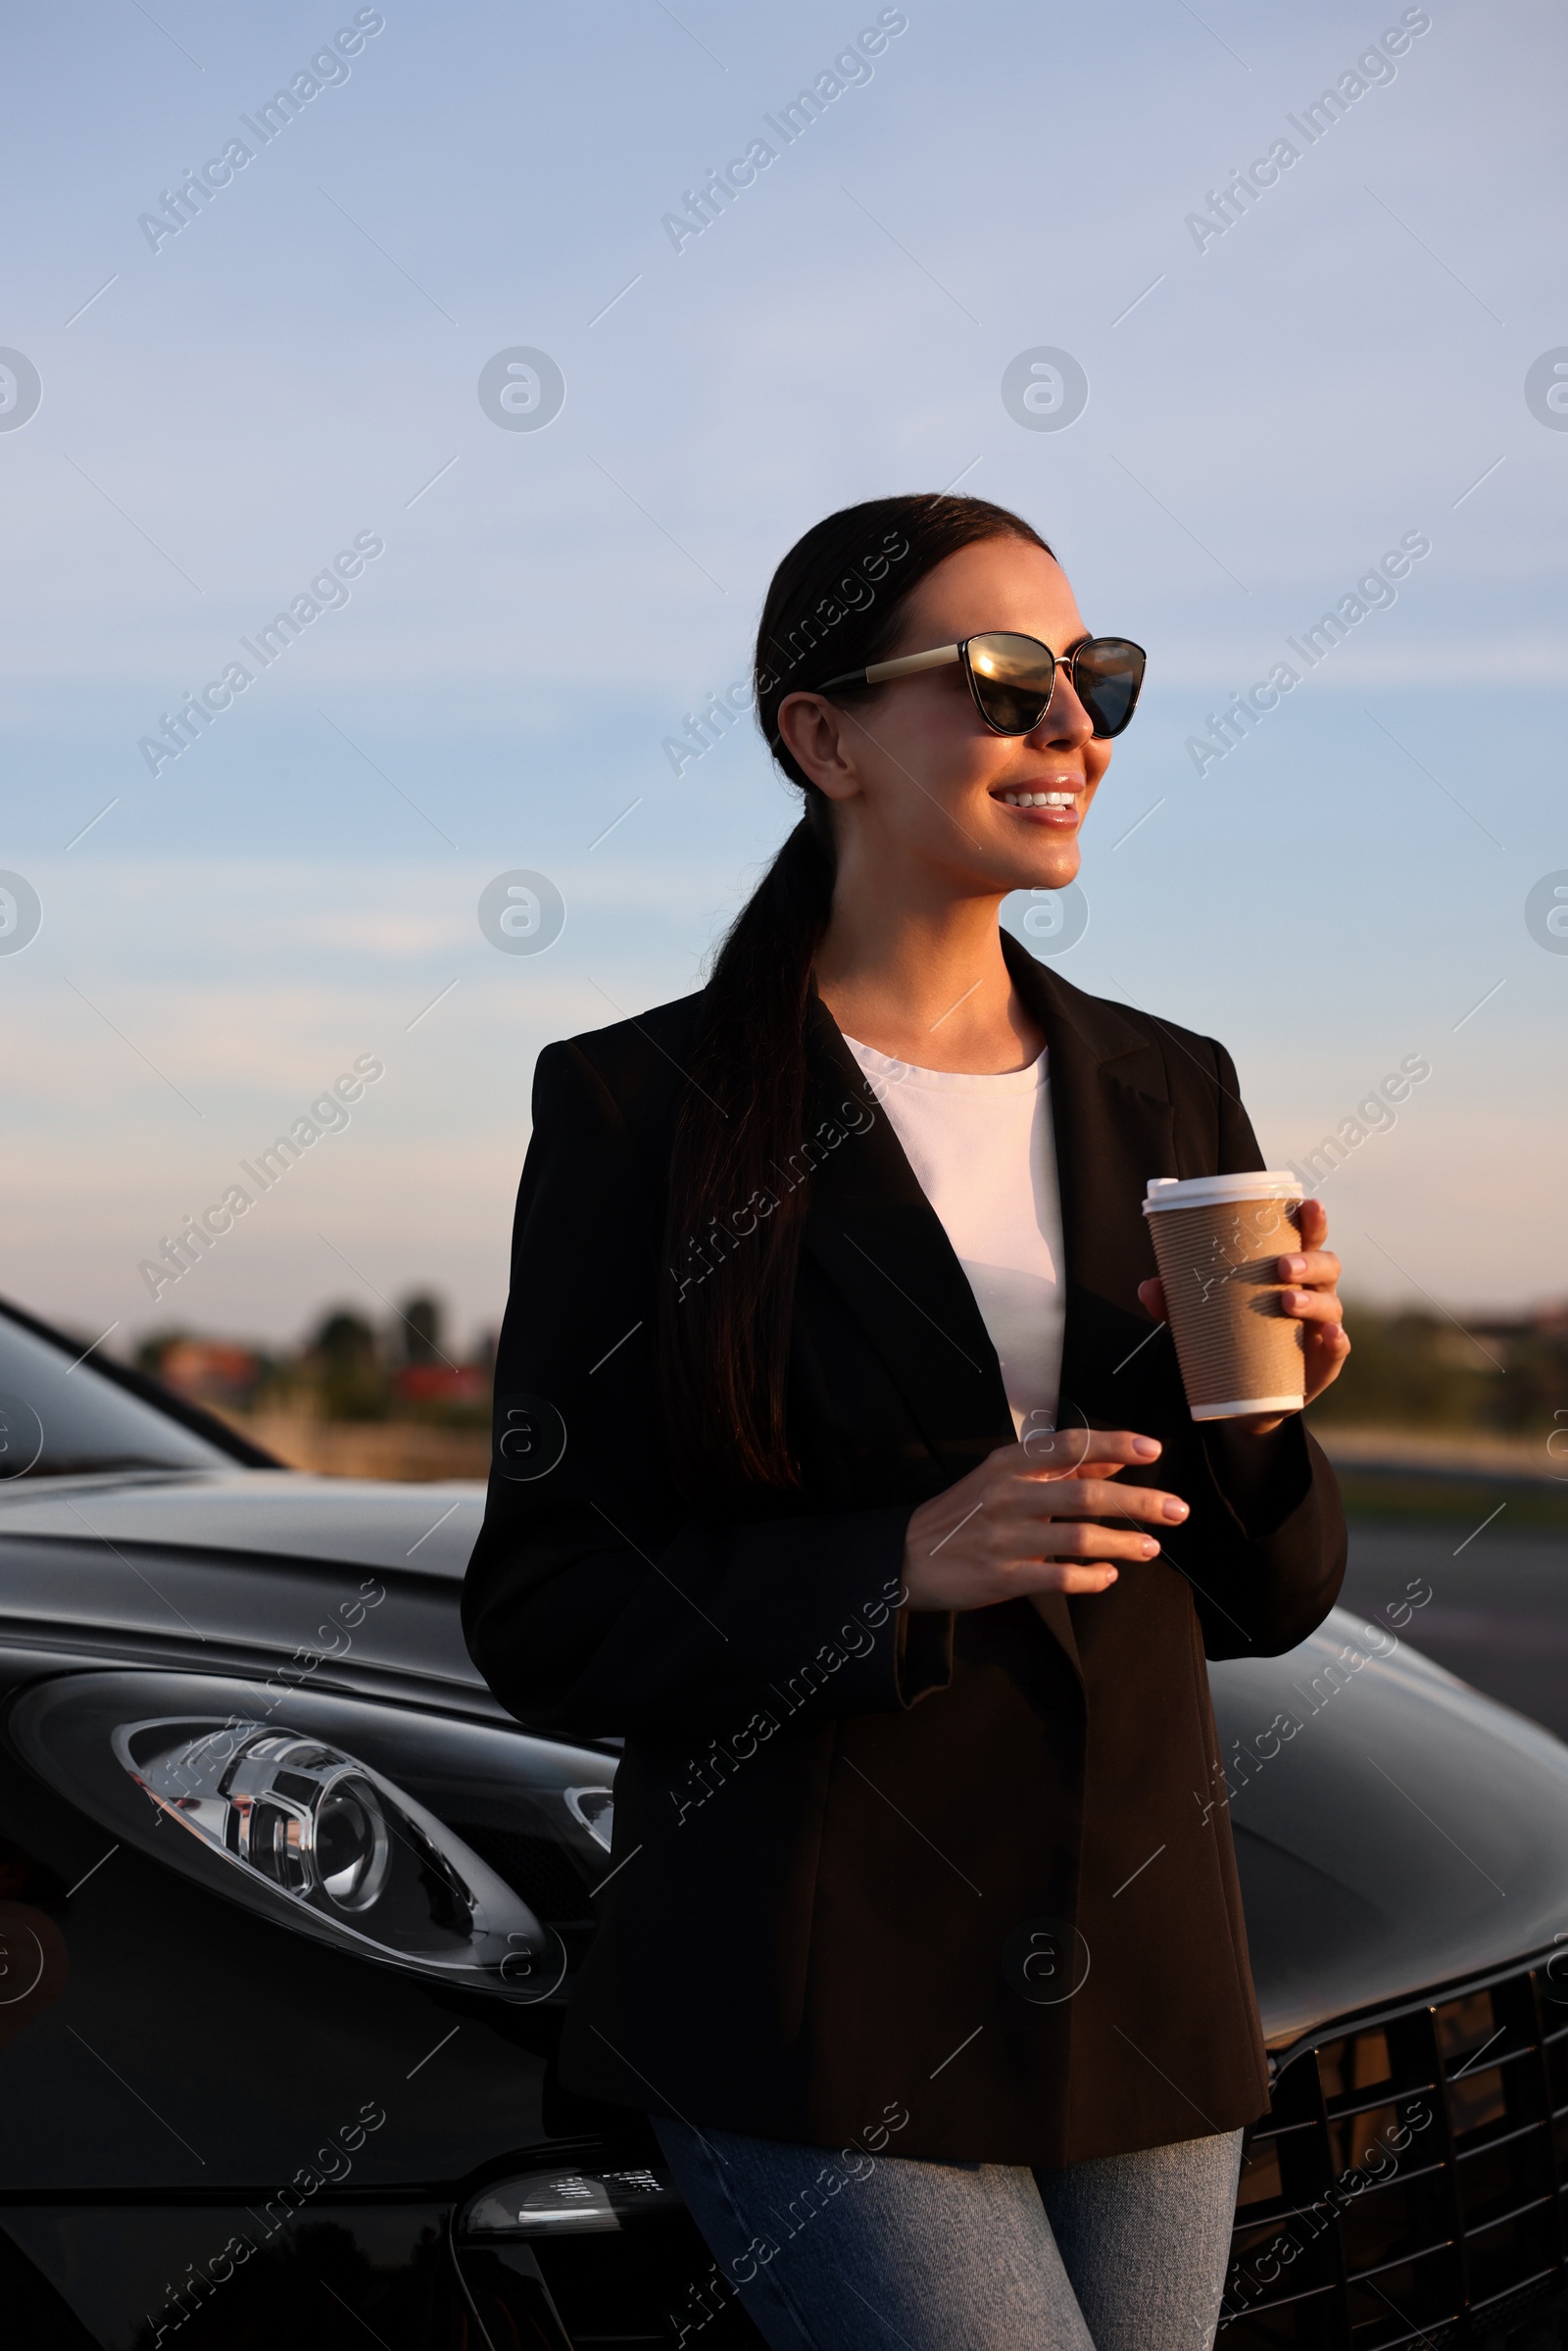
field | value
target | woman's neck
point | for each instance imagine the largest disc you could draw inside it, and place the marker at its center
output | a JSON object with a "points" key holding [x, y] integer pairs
{"points": [[928, 986]]}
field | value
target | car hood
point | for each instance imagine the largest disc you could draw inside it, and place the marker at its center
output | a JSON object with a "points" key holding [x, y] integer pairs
{"points": [[349, 1522], [325, 1580], [1393, 1828]]}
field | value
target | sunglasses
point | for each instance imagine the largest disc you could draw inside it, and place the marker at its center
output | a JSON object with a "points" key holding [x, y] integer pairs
{"points": [[1013, 679]]}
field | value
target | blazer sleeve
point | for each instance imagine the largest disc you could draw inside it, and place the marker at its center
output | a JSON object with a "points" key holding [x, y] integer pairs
{"points": [[594, 1604], [1264, 1550]]}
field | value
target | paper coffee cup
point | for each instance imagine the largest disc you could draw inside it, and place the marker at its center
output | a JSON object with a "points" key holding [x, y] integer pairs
{"points": [[1216, 1239]]}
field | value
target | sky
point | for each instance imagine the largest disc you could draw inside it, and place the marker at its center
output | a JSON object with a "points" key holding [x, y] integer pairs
{"points": [[1248, 403]]}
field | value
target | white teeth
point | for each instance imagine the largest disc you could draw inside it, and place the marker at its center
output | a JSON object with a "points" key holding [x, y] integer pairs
{"points": [[1039, 799]]}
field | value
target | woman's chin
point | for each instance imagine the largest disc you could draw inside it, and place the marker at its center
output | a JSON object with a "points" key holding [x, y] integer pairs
{"points": [[1054, 870]]}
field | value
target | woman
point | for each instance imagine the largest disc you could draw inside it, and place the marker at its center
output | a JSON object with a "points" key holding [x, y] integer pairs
{"points": [[842, 1470]]}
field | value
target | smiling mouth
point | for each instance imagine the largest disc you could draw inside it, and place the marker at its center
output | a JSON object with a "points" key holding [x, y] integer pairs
{"points": [[1064, 797]]}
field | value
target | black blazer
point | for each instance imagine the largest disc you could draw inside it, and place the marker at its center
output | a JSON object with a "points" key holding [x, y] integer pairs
{"points": [[969, 1872]]}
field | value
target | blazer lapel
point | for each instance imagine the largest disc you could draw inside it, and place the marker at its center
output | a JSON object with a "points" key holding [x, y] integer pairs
{"points": [[1114, 1128], [873, 1232]]}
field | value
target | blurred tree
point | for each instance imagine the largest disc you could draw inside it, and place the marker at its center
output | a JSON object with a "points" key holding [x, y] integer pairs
{"points": [[351, 1382], [150, 1353], [420, 1329], [342, 1338], [1427, 1371]]}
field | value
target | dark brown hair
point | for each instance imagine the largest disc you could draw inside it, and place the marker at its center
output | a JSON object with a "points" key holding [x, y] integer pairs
{"points": [[733, 1226]]}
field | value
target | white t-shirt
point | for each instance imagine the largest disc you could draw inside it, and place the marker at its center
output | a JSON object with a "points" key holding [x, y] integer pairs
{"points": [[983, 1152]]}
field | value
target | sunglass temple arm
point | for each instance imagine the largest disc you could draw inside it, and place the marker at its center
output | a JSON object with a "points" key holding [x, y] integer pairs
{"points": [[882, 673]]}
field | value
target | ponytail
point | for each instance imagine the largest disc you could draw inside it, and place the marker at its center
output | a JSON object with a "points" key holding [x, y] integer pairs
{"points": [[732, 1241]]}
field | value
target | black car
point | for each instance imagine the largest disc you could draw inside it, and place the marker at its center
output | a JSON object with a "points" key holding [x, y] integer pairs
{"points": [[290, 1908]]}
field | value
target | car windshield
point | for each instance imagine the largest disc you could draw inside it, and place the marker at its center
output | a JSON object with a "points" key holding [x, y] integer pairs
{"points": [[59, 1418]]}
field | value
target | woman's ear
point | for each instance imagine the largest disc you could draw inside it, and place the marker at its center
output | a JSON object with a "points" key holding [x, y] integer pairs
{"points": [[817, 738]]}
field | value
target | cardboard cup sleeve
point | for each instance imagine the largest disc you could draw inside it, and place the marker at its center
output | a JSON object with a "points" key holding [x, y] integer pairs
{"points": [[1216, 1239]]}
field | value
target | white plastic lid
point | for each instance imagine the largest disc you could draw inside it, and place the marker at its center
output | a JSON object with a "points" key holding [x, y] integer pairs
{"points": [[1213, 1192]]}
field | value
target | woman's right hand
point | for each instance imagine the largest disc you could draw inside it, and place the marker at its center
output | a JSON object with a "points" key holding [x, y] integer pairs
{"points": [[1024, 1522]]}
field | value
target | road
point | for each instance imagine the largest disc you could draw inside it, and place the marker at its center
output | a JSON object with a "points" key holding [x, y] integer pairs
{"points": [[1498, 1612]]}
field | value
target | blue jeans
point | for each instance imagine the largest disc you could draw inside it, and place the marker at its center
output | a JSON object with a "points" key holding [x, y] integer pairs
{"points": [[854, 2252]]}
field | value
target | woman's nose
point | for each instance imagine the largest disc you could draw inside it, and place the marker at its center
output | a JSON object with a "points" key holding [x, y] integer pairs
{"points": [[1063, 719]]}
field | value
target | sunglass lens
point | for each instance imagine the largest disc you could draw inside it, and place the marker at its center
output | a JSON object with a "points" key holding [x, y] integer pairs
{"points": [[1109, 673], [1012, 679]]}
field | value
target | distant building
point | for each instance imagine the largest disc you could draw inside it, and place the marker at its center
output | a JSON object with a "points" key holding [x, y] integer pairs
{"points": [[210, 1371], [441, 1383]]}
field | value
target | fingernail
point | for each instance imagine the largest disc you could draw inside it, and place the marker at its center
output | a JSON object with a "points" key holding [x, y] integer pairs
{"points": [[1292, 1267], [1146, 1448], [1173, 1507], [1148, 1547]]}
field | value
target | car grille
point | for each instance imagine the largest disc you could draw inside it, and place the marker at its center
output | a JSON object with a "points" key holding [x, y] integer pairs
{"points": [[1408, 2183]]}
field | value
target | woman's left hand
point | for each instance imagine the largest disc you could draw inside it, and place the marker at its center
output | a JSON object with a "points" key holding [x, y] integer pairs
{"points": [[1312, 1298]]}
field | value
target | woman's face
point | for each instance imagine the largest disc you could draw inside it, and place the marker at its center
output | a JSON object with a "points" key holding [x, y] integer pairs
{"points": [[921, 784]]}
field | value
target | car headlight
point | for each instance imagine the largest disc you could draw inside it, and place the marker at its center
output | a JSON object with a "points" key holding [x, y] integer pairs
{"points": [[353, 1850], [298, 1817]]}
